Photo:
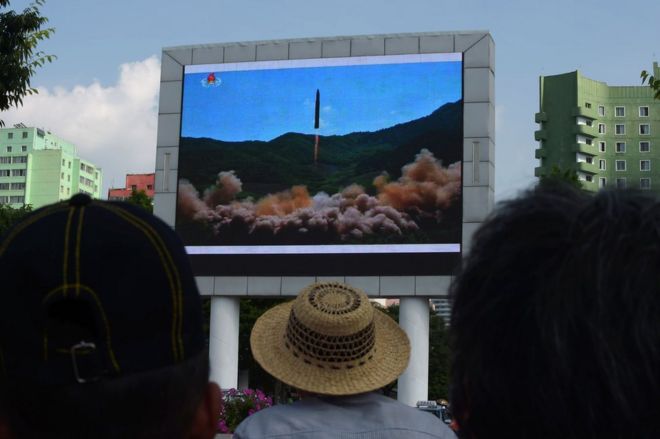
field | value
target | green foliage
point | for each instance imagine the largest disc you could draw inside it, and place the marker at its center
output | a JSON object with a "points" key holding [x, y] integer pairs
{"points": [[438, 353], [10, 216], [568, 176], [20, 33], [140, 198], [652, 81]]}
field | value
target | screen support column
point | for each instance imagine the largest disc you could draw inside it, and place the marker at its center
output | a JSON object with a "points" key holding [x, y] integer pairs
{"points": [[414, 318], [223, 341]]}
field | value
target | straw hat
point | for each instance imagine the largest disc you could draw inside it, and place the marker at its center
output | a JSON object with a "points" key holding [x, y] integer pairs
{"points": [[331, 341]]}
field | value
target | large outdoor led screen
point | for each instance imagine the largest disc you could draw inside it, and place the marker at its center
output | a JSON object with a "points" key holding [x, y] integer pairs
{"points": [[323, 166]]}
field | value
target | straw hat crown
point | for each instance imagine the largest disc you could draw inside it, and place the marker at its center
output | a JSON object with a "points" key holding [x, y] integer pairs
{"points": [[333, 309]]}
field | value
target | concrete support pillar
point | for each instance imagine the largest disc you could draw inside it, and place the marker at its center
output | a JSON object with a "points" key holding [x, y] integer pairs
{"points": [[413, 384], [223, 341]]}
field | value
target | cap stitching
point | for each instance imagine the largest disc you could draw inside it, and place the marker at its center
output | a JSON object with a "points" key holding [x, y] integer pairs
{"points": [[65, 264], [99, 304], [28, 222], [78, 241], [177, 294]]}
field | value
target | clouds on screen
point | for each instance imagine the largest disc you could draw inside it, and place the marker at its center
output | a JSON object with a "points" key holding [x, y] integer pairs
{"points": [[113, 126]]}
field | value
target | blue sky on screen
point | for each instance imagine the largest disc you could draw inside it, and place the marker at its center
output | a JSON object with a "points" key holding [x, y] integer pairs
{"points": [[264, 104]]}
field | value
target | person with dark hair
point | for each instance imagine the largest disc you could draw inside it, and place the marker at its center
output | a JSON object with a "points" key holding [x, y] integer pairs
{"points": [[101, 328], [555, 326], [332, 344]]}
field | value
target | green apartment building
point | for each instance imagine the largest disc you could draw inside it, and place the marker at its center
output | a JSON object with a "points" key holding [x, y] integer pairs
{"points": [[39, 168], [609, 135]]}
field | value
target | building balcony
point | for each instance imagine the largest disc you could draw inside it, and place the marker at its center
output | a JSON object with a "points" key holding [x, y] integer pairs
{"points": [[541, 153], [588, 168], [585, 149], [591, 186], [586, 130], [540, 135], [541, 117], [584, 112]]}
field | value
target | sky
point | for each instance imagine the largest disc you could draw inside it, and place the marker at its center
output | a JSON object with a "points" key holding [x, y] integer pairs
{"points": [[264, 104], [102, 91]]}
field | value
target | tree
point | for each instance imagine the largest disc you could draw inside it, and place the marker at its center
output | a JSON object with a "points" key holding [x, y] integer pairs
{"points": [[10, 216], [438, 354], [140, 198], [20, 33], [568, 176], [652, 81]]}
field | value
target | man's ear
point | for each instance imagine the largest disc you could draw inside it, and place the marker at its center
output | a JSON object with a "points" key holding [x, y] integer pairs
{"points": [[205, 422]]}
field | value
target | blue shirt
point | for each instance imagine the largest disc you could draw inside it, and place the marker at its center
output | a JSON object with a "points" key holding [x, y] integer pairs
{"points": [[363, 416]]}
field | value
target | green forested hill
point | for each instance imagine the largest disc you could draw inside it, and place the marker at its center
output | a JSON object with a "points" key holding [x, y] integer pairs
{"points": [[266, 167]]}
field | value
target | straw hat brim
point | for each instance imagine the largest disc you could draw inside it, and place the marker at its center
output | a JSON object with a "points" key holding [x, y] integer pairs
{"points": [[391, 355]]}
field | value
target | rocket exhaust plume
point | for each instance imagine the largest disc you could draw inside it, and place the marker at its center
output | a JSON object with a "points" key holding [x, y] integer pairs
{"points": [[317, 109], [423, 192]]}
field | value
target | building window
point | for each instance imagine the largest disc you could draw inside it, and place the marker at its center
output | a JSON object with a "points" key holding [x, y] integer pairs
{"points": [[17, 186], [16, 199], [62, 176], [4, 172], [589, 122], [644, 129], [589, 178], [620, 146], [587, 104], [61, 189], [133, 187], [589, 160], [10, 136], [18, 172], [644, 146], [601, 128], [25, 134], [588, 141], [645, 183], [645, 165], [643, 111], [620, 129], [620, 111], [63, 162], [4, 186], [69, 165], [9, 149], [68, 178], [150, 187], [620, 165], [19, 159], [601, 110], [621, 183], [601, 146], [68, 191], [5, 159], [82, 167], [602, 164], [24, 148]]}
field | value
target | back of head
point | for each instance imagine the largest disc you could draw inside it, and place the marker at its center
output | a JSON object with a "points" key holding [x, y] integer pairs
{"points": [[100, 325], [556, 318]]}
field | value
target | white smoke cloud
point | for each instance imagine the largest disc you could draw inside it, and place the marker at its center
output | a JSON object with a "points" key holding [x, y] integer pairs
{"points": [[112, 126], [425, 189]]}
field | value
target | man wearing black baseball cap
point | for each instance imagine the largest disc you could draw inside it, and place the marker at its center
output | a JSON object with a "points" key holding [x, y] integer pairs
{"points": [[101, 328]]}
